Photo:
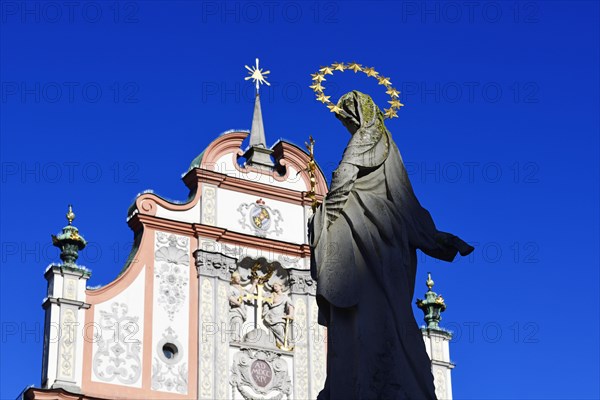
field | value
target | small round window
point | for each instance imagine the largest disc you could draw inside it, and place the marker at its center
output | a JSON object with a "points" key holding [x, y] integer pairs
{"points": [[169, 351]]}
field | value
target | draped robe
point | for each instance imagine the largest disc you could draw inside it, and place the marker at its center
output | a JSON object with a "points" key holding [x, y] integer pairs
{"points": [[364, 239]]}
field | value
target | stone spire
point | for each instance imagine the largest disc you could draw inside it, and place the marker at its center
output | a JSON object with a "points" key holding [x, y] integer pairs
{"points": [[432, 306], [257, 133], [258, 153]]}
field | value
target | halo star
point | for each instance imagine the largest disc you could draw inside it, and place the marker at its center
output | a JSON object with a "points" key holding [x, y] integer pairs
{"points": [[395, 103], [384, 81], [370, 71], [322, 98], [390, 113], [318, 77], [334, 108], [317, 87], [338, 66], [326, 70], [354, 67], [392, 92]]}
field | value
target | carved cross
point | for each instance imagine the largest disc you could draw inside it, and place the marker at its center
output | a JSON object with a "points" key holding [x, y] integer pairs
{"points": [[259, 299]]}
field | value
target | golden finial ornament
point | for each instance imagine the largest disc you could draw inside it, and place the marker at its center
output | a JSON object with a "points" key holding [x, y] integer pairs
{"points": [[429, 281], [319, 89], [311, 168], [258, 76], [70, 215]]}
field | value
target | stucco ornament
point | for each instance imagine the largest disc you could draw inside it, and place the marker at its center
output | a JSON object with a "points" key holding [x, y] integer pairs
{"points": [[170, 374], [118, 354], [171, 269], [260, 218], [260, 375]]}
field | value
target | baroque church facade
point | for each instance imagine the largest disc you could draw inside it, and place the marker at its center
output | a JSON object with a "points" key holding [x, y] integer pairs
{"points": [[216, 300]]}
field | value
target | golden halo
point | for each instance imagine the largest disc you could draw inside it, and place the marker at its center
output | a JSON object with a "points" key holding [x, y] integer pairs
{"points": [[319, 77]]}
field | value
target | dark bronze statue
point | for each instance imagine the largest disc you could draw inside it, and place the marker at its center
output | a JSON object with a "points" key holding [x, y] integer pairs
{"points": [[364, 239]]}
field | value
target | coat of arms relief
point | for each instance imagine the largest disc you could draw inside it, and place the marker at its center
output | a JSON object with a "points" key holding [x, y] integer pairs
{"points": [[260, 219]]}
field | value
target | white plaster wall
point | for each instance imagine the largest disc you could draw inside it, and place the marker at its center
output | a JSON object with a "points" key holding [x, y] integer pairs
{"points": [[192, 215], [57, 282], [225, 165], [228, 216], [133, 298]]}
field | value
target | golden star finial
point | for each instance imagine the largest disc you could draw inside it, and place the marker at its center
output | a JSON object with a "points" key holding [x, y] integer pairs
{"points": [[338, 66], [326, 70], [257, 75], [354, 67], [392, 92], [322, 98], [317, 77], [370, 71], [317, 87], [384, 81], [334, 108]]}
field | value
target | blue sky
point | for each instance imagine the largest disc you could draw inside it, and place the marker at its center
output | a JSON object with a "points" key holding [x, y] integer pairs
{"points": [[100, 101]]}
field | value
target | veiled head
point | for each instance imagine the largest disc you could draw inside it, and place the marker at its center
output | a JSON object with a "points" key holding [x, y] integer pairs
{"points": [[358, 110]]}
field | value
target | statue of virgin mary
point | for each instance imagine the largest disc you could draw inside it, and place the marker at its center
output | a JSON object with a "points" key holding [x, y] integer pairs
{"points": [[364, 239]]}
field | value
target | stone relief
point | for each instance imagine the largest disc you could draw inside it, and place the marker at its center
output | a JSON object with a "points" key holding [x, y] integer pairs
{"points": [[238, 301], [209, 194], [67, 346], [302, 283], [70, 289], [289, 261], [171, 270], [266, 296], [259, 218], [214, 264], [260, 375], [439, 382], [168, 372], [118, 354], [278, 314], [317, 341], [301, 378], [207, 344], [222, 346]]}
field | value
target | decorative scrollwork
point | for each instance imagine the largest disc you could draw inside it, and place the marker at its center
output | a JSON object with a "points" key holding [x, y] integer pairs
{"points": [[118, 355]]}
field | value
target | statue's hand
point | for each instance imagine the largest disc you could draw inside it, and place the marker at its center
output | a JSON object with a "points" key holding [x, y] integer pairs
{"points": [[450, 240]]}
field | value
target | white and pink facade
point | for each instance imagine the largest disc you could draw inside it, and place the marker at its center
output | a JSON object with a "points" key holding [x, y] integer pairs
{"points": [[162, 329]]}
